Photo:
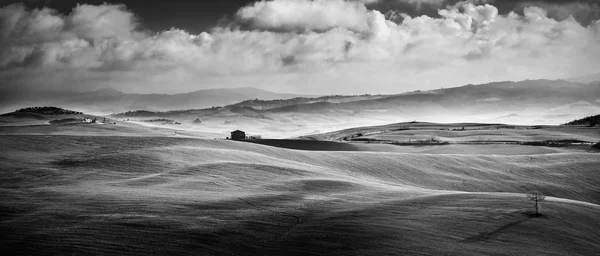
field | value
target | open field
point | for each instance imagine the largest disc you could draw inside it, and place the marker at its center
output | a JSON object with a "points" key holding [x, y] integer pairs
{"points": [[300, 127], [171, 195], [463, 133], [453, 149], [34, 124]]}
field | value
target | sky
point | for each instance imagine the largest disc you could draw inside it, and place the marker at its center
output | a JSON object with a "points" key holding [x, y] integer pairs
{"points": [[293, 46]]}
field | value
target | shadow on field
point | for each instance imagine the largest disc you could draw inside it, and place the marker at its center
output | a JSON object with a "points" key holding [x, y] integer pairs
{"points": [[484, 236]]}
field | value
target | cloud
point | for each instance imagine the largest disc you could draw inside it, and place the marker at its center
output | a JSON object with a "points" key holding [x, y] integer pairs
{"points": [[367, 2], [292, 45], [102, 21], [303, 15], [44, 37], [419, 3], [27, 27], [583, 12]]}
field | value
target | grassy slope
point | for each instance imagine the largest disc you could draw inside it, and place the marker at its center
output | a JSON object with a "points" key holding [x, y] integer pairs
{"points": [[121, 128], [110, 195], [472, 132], [481, 135]]}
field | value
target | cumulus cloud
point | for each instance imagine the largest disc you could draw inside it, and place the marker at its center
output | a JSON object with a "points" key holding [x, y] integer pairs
{"points": [[303, 15], [293, 45], [583, 12], [103, 21], [419, 3], [44, 37]]}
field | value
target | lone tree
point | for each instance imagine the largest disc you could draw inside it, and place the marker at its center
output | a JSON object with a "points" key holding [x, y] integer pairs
{"points": [[537, 197]]}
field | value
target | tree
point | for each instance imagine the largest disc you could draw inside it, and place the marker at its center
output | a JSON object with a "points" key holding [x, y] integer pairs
{"points": [[537, 197]]}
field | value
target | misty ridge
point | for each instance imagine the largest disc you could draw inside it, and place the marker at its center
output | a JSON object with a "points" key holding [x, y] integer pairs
{"points": [[106, 101], [565, 99], [495, 96]]}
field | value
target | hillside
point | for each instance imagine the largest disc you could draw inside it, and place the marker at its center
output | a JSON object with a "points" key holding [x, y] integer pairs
{"points": [[181, 196], [459, 133], [590, 121], [58, 121], [42, 116], [48, 111]]}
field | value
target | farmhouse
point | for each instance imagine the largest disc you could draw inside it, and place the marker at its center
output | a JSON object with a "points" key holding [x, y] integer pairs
{"points": [[89, 120], [238, 135]]}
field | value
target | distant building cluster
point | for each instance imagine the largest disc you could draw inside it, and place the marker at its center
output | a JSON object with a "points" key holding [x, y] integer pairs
{"points": [[89, 120]]}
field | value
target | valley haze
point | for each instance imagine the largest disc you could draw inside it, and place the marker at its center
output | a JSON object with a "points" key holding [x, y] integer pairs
{"points": [[300, 127]]}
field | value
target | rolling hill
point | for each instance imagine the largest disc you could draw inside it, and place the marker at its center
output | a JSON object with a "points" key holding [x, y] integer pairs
{"points": [[466, 133], [58, 121], [181, 196], [590, 121]]}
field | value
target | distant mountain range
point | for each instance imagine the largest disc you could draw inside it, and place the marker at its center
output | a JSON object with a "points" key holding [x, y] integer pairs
{"points": [[586, 79], [525, 102], [111, 100], [551, 96]]}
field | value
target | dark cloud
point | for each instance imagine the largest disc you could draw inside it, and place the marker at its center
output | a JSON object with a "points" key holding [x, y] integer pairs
{"points": [[584, 11], [157, 15]]}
